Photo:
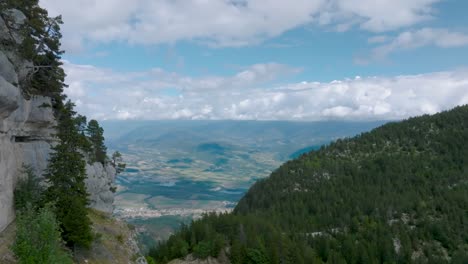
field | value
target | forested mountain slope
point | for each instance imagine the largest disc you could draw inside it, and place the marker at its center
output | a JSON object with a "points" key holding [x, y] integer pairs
{"points": [[398, 194]]}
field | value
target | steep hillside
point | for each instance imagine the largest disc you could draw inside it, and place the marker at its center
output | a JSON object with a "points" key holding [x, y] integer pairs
{"points": [[115, 242], [394, 195]]}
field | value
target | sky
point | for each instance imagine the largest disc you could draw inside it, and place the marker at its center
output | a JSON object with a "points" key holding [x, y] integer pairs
{"points": [[302, 60]]}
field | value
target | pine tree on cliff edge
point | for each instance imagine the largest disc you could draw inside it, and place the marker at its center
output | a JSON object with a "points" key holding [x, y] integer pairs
{"points": [[41, 46], [66, 174], [96, 136]]}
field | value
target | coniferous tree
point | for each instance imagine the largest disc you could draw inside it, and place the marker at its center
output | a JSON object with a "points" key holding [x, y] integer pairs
{"points": [[41, 45], [81, 125], [117, 162], [66, 174], [96, 136]]}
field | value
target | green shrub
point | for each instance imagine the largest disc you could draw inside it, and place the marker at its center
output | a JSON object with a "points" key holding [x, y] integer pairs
{"points": [[28, 190], [203, 249], [38, 238], [150, 260], [179, 248], [255, 256], [120, 238], [97, 237], [113, 189]]}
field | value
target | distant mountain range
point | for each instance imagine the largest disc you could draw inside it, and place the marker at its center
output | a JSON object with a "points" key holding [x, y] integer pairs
{"points": [[282, 137]]}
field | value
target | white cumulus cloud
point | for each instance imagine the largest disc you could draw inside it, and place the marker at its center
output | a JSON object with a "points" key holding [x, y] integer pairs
{"points": [[224, 22], [249, 94], [439, 37]]}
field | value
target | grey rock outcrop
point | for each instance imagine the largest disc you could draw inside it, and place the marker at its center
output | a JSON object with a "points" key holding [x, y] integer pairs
{"points": [[15, 20], [4, 30], [190, 259], [27, 128], [7, 70], [24, 140], [100, 183], [9, 97]]}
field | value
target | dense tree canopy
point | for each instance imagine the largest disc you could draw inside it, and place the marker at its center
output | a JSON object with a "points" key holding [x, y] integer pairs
{"points": [[397, 194]]}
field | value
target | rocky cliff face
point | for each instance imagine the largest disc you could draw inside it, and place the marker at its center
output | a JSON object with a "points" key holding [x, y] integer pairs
{"points": [[27, 127], [100, 183]]}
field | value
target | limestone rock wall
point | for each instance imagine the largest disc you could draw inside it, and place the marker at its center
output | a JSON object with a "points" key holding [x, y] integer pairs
{"points": [[27, 128], [25, 138], [100, 184]]}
